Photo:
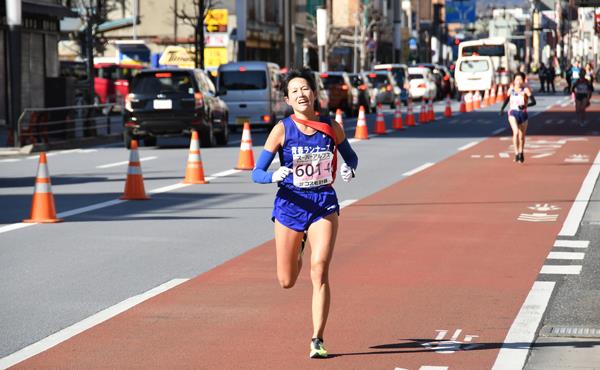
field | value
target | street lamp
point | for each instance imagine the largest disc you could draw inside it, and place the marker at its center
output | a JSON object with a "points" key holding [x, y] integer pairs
{"points": [[14, 21]]}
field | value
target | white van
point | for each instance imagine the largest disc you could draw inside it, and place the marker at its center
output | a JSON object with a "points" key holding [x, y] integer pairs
{"points": [[475, 73], [251, 91]]}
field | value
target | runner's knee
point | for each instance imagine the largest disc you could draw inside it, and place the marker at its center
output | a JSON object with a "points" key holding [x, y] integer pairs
{"points": [[319, 271], [287, 282]]}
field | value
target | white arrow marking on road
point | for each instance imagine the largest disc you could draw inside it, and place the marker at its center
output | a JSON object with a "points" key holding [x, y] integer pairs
{"points": [[578, 158], [544, 207], [537, 217], [124, 162]]}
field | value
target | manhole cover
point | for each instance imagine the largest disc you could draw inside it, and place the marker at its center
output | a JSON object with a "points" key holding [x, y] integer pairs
{"points": [[570, 331]]}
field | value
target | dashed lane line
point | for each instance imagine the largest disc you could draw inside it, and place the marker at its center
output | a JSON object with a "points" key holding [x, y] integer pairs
{"points": [[561, 269], [81, 326], [572, 243]]}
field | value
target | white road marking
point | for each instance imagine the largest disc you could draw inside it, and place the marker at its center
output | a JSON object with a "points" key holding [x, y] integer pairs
{"points": [[566, 256], [543, 155], [347, 202], [537, 217], [475, 156], [124, 162], [469, 145], [488, 156], [81, 326], [503, 155], [433, 368], [522, 331], [92, 207], [168, 188], [496, 132], [418, 169], [581, 201], [10, 160], [561, 269], [12, 227], [572, 243], [561, 121]]}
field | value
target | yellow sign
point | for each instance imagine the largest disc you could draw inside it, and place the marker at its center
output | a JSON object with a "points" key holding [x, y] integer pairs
{"points": [[177, 56], [216, 17], [214, 57]]}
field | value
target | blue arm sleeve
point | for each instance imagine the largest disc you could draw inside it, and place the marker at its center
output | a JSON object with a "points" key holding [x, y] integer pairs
{"points": [[348, 154], [260, 174]]}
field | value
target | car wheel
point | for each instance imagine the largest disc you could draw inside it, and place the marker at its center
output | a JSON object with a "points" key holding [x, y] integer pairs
{"points": [[150, 141], [207, 137], [223, 137]]}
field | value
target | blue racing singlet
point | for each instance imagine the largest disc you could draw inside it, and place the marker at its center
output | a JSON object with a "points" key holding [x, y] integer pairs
{"points": [[309, 156]]}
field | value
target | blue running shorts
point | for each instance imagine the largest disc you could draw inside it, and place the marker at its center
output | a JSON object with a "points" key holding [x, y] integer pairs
{"points": [[520, 115], [297, 210]]}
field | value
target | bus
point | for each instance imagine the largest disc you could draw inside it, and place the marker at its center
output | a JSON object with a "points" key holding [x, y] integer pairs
{"points": [[502, 53]]}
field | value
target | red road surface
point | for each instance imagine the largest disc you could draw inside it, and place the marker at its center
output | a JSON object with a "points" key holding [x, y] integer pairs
{"points": [[441, 250]]}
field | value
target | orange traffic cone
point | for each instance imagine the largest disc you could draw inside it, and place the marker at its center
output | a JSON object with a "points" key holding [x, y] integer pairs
{"points": [[246, 159], [380, 122], [338, 116], [410, 117], [194, 170], [362, 132], [431, 112], [492, 95], [469, 101], [500, 96], [486, 99], [448, 110], [463, 105], [397, 123], [423, 114], [134, 185], [42, 206], [477, 100]]}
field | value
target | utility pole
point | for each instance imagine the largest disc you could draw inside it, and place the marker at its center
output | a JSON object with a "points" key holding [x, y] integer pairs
{"points": [[287, 33], [322, 38], [242, 14], [14, 21], [199, 36]]}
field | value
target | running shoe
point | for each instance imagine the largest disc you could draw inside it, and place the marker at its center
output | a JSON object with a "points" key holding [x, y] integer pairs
{"points": [[517, 157], [317, 349], [521, 157]]}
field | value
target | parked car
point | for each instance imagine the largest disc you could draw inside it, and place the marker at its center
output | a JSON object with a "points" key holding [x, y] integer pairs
{"points": [[474, 73], [400, 73], [166, 102], [361, 94], [422, 84], [384, 86], [338, 88], [448, 83], [251, 91], [437, 77], [321, 94]]}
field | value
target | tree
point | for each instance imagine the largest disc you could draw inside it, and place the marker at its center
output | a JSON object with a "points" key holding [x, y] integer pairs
{"points": [[195, 19]]}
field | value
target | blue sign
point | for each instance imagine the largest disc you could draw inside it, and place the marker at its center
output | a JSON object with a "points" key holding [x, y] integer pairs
{"points": [[461, 11]]}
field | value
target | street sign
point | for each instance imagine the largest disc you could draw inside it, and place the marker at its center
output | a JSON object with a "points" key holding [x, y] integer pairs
{"points": [[216, 40], [214, 57], [216, 20], [177, 56], [461, 11]]}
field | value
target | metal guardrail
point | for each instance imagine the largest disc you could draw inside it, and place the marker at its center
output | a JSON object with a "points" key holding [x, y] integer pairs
{"points": [[63, 124]]}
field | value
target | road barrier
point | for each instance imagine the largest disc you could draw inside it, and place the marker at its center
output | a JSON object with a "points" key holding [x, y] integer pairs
{"points": [[48, 127]]}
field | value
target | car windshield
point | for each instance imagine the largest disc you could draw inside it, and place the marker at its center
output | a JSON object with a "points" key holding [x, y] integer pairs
{"points": [[332, 80], [243, 80], [415, 76], [163, 82], [379, 80], [474, 66]]}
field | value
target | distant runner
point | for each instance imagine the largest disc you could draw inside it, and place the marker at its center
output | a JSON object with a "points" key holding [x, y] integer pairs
{"points": [[582, 88], [519, 97], [306, 205]]}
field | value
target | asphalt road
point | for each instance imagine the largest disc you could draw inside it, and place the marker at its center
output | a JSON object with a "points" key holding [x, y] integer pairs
{"points": [[52, 276]]}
